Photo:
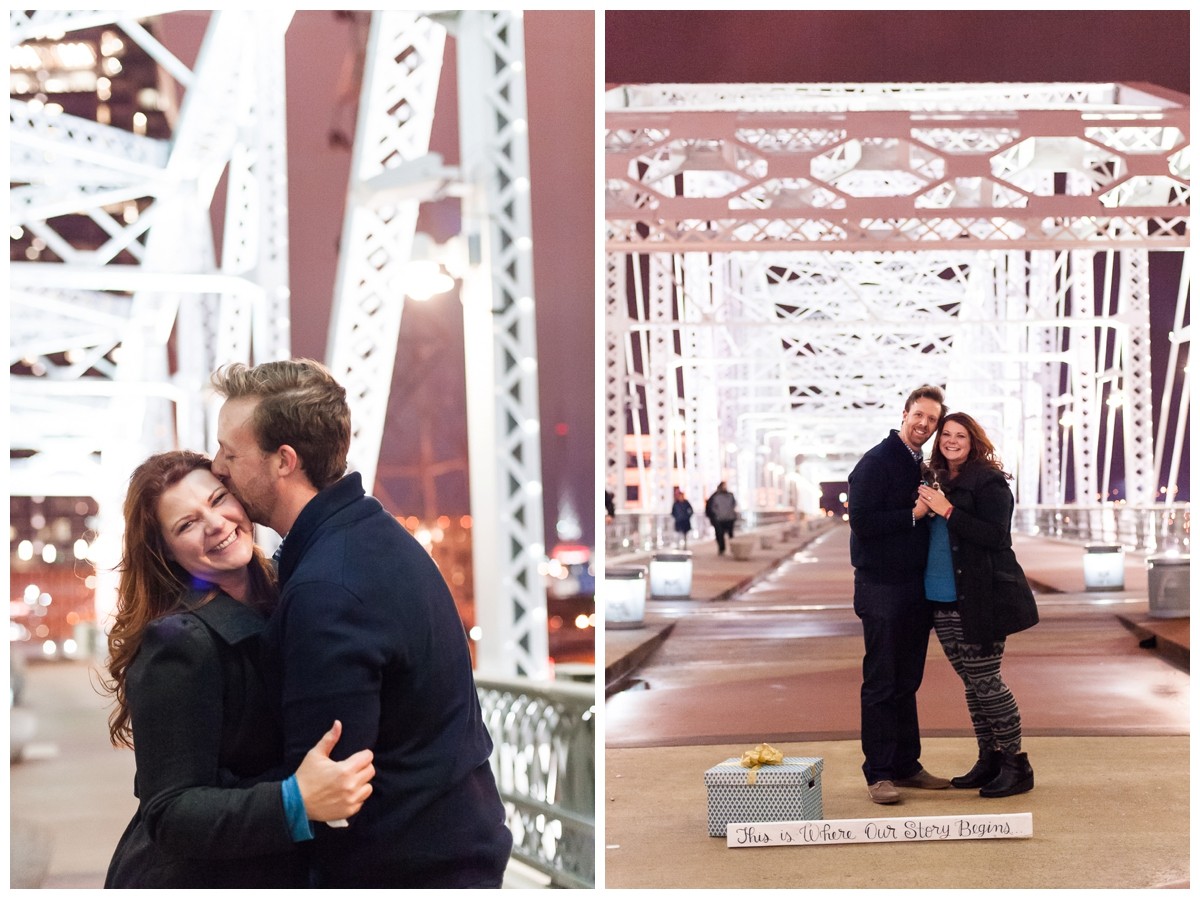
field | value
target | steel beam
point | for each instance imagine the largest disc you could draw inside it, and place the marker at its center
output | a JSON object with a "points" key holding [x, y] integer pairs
{"points": [[873, 237]]}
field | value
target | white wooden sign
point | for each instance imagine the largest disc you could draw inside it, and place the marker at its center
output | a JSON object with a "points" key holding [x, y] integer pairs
{"points": [[879, 830]]}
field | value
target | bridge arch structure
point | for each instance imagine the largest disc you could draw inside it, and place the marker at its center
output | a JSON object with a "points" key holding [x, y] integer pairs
{"points": [[128, 305], [785, 262]]}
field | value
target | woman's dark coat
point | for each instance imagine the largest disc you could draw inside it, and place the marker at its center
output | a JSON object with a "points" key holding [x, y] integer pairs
{"points": [[201, 721], [994, 598], [681, 511]]}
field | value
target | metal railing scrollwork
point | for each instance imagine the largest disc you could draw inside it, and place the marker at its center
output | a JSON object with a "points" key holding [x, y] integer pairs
{"points": [[545, 766], [1157, 528], [629, 533]]}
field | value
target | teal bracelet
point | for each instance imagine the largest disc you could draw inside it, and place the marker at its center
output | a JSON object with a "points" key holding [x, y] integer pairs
{"points": [[293, 810]]}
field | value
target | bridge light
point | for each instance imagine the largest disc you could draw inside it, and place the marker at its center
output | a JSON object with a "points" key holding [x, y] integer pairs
{"points": [[425, 279]]}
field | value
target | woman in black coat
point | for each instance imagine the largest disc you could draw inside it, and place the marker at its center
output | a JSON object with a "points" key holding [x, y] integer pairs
{"points": [[190, 700], [979, 593], [681, 512]]}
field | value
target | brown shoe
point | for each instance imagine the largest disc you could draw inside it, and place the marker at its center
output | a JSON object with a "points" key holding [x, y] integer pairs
{"points": [[923, 780], [884, 792]]}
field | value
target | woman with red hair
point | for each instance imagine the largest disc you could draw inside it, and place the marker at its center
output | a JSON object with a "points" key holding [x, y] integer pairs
{"points": [[979, 594], [191, 702]]}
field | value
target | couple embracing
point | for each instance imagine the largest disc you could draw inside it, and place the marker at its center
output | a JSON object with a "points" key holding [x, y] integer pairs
{"points": [[311, 722]]}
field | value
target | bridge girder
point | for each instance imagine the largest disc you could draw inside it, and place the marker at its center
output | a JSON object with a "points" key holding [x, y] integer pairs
{"points": [[139, 318], [833, 246]]}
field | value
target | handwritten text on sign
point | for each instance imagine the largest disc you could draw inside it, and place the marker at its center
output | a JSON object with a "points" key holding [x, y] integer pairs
{"points": [[879, 830]]}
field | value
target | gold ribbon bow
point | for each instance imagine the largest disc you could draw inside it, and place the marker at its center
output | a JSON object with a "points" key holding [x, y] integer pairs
{"points": [[762, 754]]}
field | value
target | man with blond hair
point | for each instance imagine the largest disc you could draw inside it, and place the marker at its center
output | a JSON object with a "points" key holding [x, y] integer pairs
{"points": [[366, 632]]}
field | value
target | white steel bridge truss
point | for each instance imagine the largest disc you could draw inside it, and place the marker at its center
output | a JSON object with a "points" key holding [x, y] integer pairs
{"points": [[120, 335], [121, 320], [786, 262], [392, 173]]}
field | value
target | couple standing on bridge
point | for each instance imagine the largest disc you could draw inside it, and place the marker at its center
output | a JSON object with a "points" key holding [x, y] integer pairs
{"points": [[931, 548], [333, 684]]}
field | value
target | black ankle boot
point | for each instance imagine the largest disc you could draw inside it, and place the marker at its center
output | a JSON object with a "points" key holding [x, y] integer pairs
{"points": [[983, 773], [1016, 776]]}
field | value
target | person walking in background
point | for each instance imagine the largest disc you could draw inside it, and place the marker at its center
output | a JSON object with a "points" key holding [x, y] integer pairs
{"points": [[979, 595], [889, 540], [681, 512], [215, 808], [721, 510], [365, 626]]}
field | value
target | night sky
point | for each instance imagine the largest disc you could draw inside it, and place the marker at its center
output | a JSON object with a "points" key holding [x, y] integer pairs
{"points": [[877, 46], [726, 46]]}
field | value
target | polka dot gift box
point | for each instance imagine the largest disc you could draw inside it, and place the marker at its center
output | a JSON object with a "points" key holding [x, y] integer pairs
{"points": [[761, 786]]}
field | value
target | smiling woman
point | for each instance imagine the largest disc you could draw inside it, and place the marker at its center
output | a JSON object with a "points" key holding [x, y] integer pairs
{"points": [[978, 595], [191, 701], [206, 531]]}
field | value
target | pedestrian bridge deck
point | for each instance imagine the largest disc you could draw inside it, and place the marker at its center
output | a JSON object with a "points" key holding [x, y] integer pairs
{"points": [[769, 650]]}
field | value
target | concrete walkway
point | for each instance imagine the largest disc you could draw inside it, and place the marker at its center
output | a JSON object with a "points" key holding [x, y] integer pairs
{"points": [[769, 650]]}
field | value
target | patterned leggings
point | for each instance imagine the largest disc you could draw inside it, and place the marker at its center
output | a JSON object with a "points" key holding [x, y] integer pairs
{"points": [[993, 710]]}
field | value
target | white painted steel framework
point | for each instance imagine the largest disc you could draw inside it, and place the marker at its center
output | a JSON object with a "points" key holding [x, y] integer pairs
{"points": [[392, 174], [127, 276], [502, 396], [786, 262], [121, 333]]}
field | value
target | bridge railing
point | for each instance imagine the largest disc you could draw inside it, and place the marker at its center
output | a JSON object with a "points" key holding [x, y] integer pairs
{"points": [[635, 532], [545, 766], [1155, 528], [1151, 529]]}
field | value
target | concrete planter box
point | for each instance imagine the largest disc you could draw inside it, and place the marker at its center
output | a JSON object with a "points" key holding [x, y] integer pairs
{"points": [[1104, 567], [1168, 578], [624, 598], [741, 547], [671, 575]]}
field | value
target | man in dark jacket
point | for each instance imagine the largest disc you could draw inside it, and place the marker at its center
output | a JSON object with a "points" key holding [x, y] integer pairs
{"points": [[721, 510], [889, 541], [366, 632]]}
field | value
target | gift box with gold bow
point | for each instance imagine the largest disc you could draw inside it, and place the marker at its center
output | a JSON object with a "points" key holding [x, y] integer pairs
{"points": [[763, 785]]}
